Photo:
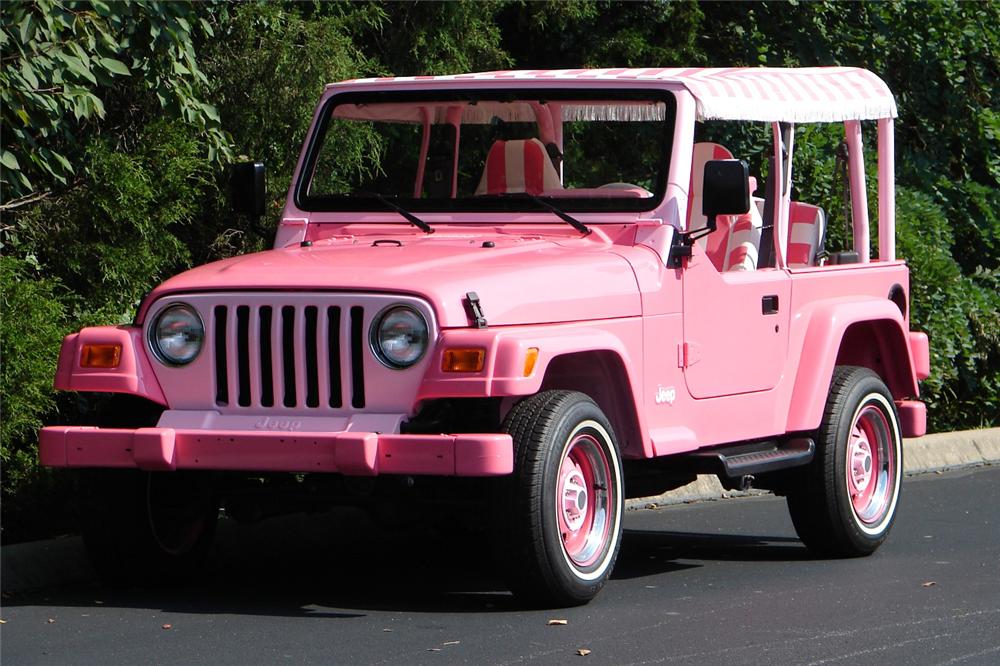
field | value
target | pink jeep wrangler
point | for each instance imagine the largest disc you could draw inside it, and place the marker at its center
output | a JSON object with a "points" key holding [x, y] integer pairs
{"points": [[544, 293]]}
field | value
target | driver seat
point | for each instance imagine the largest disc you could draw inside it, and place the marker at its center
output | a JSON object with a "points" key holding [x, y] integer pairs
{"points": [[518, 166]]}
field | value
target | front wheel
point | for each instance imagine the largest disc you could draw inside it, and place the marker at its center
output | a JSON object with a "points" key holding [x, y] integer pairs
{"points": [[147, 528], [847, 503], [560, 513]]}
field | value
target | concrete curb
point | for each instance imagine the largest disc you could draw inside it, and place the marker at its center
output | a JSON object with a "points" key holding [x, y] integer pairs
{"points": [[64, 560]]}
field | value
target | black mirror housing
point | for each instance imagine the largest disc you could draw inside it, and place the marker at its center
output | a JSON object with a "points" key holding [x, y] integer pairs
{"points": [[726, 188], [246, 188]]}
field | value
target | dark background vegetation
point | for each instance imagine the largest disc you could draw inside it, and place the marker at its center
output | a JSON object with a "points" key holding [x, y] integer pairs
{"points": [[120, 118]]}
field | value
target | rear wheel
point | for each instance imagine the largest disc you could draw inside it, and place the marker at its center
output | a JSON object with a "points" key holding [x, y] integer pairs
{"points": [[847, 503], [147, 527], [560, 513]]}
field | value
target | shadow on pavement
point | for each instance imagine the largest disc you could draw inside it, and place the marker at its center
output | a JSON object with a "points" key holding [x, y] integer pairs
{"points": [[340, 564], [650, 552]]}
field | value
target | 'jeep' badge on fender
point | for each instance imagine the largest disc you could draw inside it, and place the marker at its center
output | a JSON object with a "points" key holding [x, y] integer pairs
{"points": [[665, 395]]}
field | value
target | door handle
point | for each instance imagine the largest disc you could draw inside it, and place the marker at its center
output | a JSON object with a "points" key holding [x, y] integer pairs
{"points": [[769, 304]]}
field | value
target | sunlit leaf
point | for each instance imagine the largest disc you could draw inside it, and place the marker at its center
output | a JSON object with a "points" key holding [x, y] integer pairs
{"points": [[29, 74], [27, 28], [76, 66], [115, 66], [8, 160]]}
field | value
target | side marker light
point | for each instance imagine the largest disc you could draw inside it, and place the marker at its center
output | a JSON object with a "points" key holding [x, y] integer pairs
{"points": [[529, 361]]}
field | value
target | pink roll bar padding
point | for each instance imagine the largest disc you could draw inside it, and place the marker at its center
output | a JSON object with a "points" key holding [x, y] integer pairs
{"points": [[886, 191], [859, 196]]}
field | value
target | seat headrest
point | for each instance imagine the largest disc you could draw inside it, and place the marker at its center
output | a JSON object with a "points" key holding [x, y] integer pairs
{"points": [[521, 165]]}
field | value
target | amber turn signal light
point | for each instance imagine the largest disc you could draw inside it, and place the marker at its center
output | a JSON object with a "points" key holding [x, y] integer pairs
{"points": [[463, 360], [529, 361], [100, 356]]}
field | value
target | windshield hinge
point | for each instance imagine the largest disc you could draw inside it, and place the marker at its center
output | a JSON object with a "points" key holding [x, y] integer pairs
{"points": [[475, 309]]}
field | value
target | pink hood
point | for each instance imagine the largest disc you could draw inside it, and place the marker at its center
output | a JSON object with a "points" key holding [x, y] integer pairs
{"points": [[521, 280]]}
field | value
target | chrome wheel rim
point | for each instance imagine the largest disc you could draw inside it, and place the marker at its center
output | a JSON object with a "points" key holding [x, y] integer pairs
{"points": [[584, 501], [871, 466]]}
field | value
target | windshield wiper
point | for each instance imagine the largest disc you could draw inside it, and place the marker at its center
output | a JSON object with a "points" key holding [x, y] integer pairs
{"points": [[410, 217], [573, 222]]}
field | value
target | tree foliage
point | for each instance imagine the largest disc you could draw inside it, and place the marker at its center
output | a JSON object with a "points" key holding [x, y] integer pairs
{"points": [[61, 60], [960, 313]]}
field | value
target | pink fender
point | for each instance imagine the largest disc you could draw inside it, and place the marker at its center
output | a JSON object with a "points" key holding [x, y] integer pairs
{"points": [[822, 349], [503, 373], [134, 373]]}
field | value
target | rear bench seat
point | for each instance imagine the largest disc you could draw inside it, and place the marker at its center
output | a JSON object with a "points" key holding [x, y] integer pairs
{"points": [[806, 226]]}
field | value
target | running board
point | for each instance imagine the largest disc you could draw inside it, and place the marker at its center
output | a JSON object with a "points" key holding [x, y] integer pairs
{"points": [[747, 459]]}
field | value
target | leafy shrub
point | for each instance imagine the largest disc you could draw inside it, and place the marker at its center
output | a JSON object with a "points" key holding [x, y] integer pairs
{"points": [[959, 313], [63, 69], [32, 324], [112, 239]]}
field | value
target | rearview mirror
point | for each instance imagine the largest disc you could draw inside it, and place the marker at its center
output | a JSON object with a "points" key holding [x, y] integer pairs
{"points": [[246, 188], [726, 189]]}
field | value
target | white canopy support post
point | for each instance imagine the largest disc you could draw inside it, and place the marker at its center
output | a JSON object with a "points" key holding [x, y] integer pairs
{"points": [[886, 191], [679, 174], [781, 244], [783, 139], [555, 108], [454, 118], [425, 142], [859, 195]]}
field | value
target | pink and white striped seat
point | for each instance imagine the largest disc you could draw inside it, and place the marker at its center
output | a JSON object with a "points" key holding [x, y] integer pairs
{"points": [[715, 242], [518, 166], [734, 244], [743, 242], [806, 226]]}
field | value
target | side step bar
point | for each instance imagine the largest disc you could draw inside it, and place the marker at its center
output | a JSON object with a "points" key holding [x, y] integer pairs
{"points": [[742, 460]]}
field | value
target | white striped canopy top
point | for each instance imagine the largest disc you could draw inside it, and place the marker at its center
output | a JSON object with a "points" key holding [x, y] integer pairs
{"points": [[769, 94]]}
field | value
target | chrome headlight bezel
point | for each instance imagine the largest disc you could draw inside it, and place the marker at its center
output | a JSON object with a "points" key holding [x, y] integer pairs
{"points": [[196, 325], [420, 335]]}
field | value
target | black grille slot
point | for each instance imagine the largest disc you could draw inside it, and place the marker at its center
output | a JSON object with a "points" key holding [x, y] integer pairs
{"points": [[312, 371], [357, 357], [243, 353], [221, 369], [288, 353], [333, 347], [266, 370]]}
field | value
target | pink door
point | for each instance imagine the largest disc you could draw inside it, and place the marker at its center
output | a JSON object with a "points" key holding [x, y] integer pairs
{"points": [[735, 328]]}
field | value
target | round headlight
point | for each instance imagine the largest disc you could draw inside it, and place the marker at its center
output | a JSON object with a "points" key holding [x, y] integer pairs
{"points": [[399, 336], [177, 335]]}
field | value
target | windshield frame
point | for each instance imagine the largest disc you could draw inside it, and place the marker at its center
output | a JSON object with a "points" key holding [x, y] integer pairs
{"points": [[487, 203]]}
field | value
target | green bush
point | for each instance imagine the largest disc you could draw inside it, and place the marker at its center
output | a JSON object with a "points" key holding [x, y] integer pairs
{"points": [[85, 258], [959, 313], [31, 330], [32, 325], [113, 238]]}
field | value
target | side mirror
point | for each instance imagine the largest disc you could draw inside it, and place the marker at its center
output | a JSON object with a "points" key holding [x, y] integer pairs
{"points": [[726, 189], [246, 188]]}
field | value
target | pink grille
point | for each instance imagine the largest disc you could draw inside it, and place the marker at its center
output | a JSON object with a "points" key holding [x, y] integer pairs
{"points": [[298, 353], [289, 356]]}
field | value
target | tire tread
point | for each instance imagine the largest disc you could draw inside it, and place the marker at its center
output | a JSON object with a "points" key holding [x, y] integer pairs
{"points": [[521, 545], [813, 503]]}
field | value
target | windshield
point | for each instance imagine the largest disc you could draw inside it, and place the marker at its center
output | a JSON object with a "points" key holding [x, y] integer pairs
{"points": [[479, 150]]}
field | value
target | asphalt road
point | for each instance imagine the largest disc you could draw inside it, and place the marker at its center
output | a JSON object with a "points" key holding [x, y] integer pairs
{"points": [[711, 583]]}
